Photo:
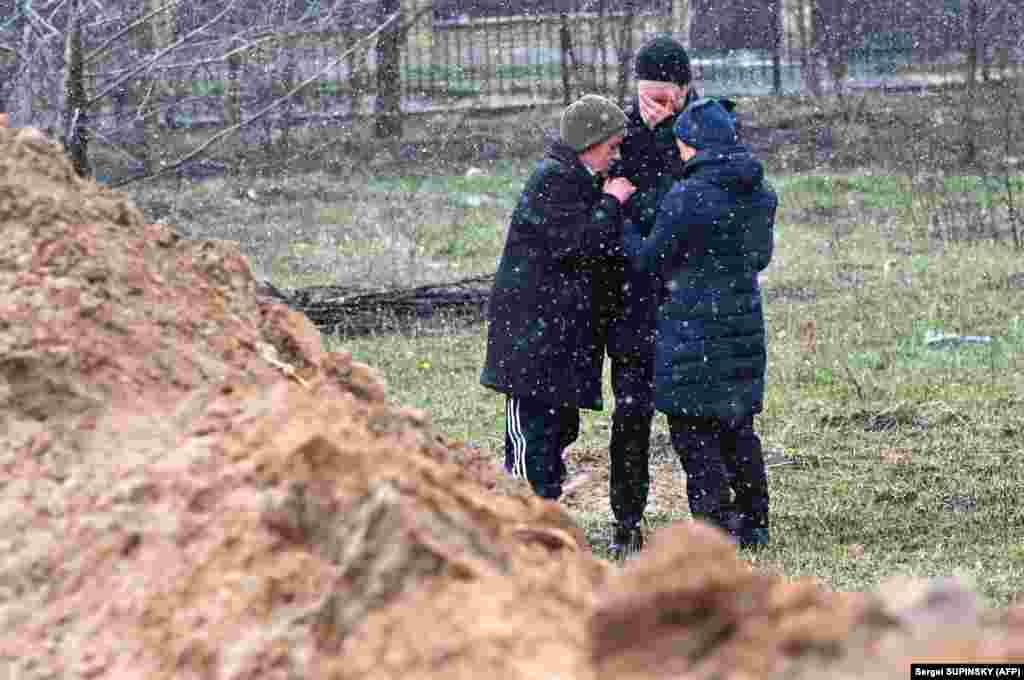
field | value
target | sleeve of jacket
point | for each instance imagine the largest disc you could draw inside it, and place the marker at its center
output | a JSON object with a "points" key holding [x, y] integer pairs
{"points": [[572, 227], [671, 239]]}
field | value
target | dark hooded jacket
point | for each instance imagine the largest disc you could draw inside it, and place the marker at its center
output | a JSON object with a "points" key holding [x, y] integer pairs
{"points": [[712, 236], [544, 340]]}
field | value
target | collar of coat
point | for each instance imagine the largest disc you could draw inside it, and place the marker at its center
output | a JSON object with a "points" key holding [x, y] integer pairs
{"points": [[728, 166], [714, 156], [563, 153]]}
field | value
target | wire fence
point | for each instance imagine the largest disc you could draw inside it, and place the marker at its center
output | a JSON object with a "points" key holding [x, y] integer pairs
{"points": [[498, 54], [493, 55]]}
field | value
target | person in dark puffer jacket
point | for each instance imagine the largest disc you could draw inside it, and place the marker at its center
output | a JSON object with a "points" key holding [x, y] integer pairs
{"points": [[712, 236], [545, 343]]}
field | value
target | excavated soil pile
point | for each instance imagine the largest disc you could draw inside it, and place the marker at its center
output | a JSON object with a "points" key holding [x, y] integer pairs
{"points": [[690, 608], [191, 487]]}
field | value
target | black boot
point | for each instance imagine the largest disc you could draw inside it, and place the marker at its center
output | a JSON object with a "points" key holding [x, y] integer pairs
{"points": [[751, 486], [627, 541], [754, 537]]}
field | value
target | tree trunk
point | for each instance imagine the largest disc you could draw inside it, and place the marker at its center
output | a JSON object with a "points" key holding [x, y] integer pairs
{"points": [[287, 85], [777, 36], [233, 90], [970, 152], [145, 93], [626, 50], [808, 54], [819, 39], [75, 118], [566, 43], [389, 77]]}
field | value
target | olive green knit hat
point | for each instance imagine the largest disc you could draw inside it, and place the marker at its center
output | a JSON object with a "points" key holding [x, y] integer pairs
{"points": [[590, 120]]}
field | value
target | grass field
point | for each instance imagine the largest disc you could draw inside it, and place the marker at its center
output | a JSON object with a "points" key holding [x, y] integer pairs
{"points": [[904, 458]]}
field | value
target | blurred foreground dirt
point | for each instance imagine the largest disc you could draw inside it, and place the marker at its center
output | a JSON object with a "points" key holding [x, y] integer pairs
{"points": [[191, 487]]}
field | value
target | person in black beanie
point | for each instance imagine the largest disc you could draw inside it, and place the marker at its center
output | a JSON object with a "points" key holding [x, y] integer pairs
{"points": [[650, 160], [713, 235]]}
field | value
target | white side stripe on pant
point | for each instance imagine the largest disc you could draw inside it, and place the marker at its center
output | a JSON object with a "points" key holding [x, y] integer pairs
{"points": [[512, 436], [518, 440]]}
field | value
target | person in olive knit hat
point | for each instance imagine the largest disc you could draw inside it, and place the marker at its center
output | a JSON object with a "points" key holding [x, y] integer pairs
{"points": [[544, 348], [712, 236]]}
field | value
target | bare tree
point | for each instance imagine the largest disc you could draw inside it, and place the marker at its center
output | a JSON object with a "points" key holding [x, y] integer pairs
{"points": [[839, 27], [626, 48], [76, 129], [984, 24], [775, 8], [808, 53], [105, 71], [389, 82]]}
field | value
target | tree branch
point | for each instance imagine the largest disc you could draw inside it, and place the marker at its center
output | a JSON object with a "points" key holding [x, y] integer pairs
{"points": [[265, 110], [32, 14], [159, 55], [99, 51], [200, 62], [116, 147]]}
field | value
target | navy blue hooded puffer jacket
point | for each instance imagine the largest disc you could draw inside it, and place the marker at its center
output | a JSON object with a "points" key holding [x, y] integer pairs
{"points": [[712, 236]]}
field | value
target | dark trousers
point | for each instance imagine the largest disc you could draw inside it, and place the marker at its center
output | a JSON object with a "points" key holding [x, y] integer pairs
{"points": [[630, 346], [630, 445], [716, 455], [536, 434]]}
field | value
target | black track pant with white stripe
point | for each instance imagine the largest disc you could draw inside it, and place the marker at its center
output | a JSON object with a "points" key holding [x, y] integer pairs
{"points": [[536, 434]]}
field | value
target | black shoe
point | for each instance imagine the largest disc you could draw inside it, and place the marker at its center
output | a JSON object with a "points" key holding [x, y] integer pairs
{"points": [[627, 542], [754, 538], [732, 523]]}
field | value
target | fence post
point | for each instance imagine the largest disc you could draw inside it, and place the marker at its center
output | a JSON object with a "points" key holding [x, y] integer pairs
{"points": [[389, 76], [777, 10], [566, 43], [626, 48], [233, 90]]}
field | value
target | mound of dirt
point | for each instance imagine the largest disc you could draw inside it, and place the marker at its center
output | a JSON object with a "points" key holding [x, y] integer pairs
{"points": [[691, 608], [192, 487]]}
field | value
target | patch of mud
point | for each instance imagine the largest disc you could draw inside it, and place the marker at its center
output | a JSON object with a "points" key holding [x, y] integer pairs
{"points": [[896, 416], [789, 294]]}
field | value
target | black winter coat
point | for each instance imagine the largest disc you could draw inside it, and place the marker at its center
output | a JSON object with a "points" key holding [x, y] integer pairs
{"points": [[544, 340], [650, 160], [712, 236]]}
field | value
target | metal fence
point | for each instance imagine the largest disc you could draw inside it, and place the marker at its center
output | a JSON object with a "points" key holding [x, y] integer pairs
{"points": [[495, 54]]}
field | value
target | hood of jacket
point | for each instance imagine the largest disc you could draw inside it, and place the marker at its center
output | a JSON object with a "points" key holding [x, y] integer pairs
{"points": [[732, 168]]}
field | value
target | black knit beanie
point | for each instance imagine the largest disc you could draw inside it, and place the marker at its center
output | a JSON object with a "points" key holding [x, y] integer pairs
{"points": [[665, 60]]}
